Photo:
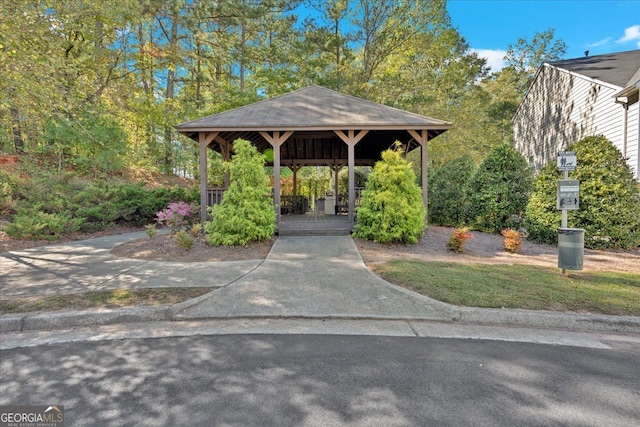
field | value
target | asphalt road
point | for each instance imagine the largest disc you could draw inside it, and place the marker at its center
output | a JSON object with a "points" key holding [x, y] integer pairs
{"points": [[324, 380]]}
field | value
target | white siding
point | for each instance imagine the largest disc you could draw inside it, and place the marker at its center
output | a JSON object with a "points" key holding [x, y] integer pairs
{"points": [[633, 139], [562, 108]]}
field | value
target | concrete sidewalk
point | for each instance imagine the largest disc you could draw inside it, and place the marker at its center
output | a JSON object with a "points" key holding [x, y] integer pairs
{"points": [[87, 265], [320, 277]]}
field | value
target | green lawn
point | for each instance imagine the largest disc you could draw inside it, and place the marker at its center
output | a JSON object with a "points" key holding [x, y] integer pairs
{"points": [[102, 299], [518, 286]]}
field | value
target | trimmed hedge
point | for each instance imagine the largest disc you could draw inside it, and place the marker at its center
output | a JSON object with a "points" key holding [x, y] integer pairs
{"points": [[448, 191], [497, 194], [609, 199]]}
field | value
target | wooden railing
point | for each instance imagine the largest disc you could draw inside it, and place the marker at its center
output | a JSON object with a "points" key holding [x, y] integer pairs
{"points": [[342, 203], [294, 205], [290, 204], [214, 195]]}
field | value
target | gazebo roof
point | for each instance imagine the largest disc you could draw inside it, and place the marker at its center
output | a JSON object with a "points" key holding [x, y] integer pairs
{"points": [[313, 108], [313, 114]]}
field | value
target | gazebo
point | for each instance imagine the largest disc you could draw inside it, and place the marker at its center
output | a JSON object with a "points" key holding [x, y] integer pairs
{"points": [[314, 126]]}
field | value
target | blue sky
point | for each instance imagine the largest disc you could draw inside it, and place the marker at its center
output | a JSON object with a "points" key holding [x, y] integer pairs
{"points": [[599, 26]]}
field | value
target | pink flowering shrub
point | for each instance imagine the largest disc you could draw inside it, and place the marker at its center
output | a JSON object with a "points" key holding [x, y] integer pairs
{"points": [[176, 216]]}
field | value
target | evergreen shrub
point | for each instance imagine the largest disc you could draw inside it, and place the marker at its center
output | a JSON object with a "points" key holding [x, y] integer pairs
{"points": [[609, 199], [497, 194], [392, 208], [246, 212], [448, 190], [49, 205]]}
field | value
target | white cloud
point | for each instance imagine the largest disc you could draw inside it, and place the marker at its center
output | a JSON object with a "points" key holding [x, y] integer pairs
{"points": [[631, 34], [600, 43], [495, 58]]}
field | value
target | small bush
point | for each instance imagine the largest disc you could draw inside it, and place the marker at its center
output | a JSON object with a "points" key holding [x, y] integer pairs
{"points": [[151, 230], [459, 238], [33, 223], [195, 229], [512, 240], [447, 191], [8, 186], [498, 192], [392, 208], [184, 240], [176, 216]]}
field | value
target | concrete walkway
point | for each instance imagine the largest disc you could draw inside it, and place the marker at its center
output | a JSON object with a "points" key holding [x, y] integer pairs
{"points": [[320, 277], [87, 265]]}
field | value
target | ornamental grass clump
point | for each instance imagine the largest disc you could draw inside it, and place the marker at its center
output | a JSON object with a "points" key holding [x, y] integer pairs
{"points": [[151, 230], [459, 239], [512, 240]]}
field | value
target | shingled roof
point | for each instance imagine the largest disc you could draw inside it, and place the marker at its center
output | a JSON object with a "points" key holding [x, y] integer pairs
{"points": [[313, 114], [313, 108], [621, 69]]}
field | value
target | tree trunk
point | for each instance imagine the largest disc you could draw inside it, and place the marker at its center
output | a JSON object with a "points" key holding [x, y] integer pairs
{"points": [[169, 95], [18, 142]]}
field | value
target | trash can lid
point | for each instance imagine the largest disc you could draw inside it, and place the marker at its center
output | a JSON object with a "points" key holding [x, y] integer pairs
{"points": [[570, 230]]}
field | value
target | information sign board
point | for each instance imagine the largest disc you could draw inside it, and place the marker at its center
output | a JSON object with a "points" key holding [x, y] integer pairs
{"points": [[567, 160], [568, 194]]}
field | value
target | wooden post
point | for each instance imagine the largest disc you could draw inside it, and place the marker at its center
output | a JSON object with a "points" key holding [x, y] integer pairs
{"points": [[203, 141], [351, 140], [336, 171], [295, 170], [276, 141], [423, 138], [225, 150]]}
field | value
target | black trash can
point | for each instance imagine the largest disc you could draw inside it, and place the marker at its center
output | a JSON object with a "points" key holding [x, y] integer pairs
{"points": [[570, 248]]}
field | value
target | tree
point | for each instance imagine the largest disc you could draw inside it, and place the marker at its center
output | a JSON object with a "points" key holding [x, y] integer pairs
{"points": [[525, 57], [246, 212], [498, 192], [609, 198], [392, 208], [448, 191]]}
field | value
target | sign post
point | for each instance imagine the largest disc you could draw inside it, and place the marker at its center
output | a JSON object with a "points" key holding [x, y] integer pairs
{"points": [[570, 240], [567, 161]]}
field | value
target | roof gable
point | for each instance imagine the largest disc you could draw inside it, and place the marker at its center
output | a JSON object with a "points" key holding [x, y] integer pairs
{"points": [[313, 107], [617, 69]]}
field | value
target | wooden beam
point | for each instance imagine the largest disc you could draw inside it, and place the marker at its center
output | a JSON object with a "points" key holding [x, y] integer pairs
{"points": [[204, 139], [276, 140], [336, 171], [225, 150], [423, 138], [351, 139]]}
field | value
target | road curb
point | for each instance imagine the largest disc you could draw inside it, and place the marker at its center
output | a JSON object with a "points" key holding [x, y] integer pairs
{"points": [[73, 319], [547, 320], [463, 315]]}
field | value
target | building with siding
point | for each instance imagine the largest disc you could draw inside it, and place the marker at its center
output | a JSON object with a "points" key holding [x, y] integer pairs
{"points": [[571, 99]]}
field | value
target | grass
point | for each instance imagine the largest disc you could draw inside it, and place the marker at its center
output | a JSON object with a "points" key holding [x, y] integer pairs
{"points": [[518, 286], [102, 299]]}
